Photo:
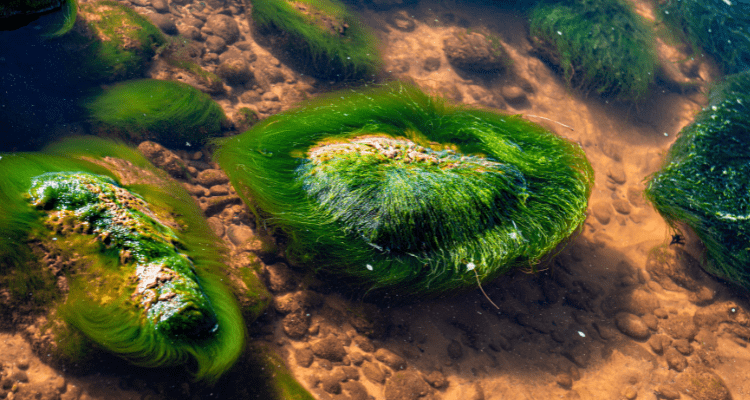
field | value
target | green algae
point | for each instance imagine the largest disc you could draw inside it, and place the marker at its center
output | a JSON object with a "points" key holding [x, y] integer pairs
{"points": [[113, 41], [56, 17], [721, 28], [143, 269], [600, 45], [167, 287], [273, 378], [65, 20], [397, 193], [171, 113], [703, 183], [333, 43]]}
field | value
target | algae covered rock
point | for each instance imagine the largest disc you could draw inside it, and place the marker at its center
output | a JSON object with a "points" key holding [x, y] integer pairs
{"points": [[473, 51], [328, 39], [171, 113], [112, 42], [136, 267], [395, 192], [703, 183], [600, 45], [720, 27]]}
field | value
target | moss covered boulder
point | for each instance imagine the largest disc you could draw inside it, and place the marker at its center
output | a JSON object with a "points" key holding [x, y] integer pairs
{"points": [[394, 192], [112, 42], [719, 27], [704, 181], [122, 256], [600, 46], [171, 113], [323, 35]]}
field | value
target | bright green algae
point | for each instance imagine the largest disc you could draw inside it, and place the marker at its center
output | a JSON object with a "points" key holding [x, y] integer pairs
{"points": [[167, 287], [336, 44], [171, 113], [601, 45], [720, 27], [704, 184], [401, 194], [142, 265]]}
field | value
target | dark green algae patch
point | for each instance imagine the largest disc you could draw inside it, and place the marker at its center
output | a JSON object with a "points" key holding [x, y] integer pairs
{"points": [[394, 193], [171, 113], [143, 270], [703, 183], [600, 46], [329, 39], [111, 42], [720, 27]]}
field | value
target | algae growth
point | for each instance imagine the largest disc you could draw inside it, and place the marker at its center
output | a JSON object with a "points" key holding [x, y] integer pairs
{"points": [[142, 273], [703, 183], [396, 193]]}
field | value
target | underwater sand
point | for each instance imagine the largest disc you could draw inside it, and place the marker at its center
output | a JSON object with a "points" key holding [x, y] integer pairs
{"points": [[559, 334]]}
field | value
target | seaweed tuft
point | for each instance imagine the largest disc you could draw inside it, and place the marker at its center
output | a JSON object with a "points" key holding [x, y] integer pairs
{"points": [[396, 193], [330, 39], [600, 45], [171, 113], [721, 28], [703, 183]]}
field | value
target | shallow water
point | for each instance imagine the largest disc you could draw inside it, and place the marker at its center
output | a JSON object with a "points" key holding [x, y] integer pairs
{"points": [[598, 322]]}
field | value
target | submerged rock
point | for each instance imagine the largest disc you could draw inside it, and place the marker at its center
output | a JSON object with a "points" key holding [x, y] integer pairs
{"points": [[703, 184], [141, 270], [397, 193]]}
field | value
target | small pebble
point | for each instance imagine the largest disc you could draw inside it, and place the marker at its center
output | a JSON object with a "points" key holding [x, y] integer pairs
{"points": [[617, 173], [23, 364], [564, 380], [304, 357], [667, 393], [659, 342], [60, 384], [675, 360], [574, 372], [373, 372], [357, 358], [651, 321], [330, 384], [19, 376], [436, 379], [390, 359], [632, 325], [683, 346], [621, 206], [455, 351]]}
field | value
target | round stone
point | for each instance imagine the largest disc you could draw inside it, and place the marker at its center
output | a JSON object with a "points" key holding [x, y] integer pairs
{"points": [[632, 325]]}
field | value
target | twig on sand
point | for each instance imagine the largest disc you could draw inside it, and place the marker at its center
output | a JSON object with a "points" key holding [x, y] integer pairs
{"points": [[470, 266]]}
